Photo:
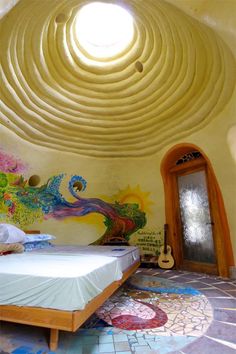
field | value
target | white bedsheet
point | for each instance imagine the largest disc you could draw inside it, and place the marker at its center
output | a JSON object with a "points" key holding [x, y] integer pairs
{"points": [[58, 281], [126, 255]]}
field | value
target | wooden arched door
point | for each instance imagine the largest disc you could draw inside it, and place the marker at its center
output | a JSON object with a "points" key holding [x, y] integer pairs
{"points": [[198, 228]]}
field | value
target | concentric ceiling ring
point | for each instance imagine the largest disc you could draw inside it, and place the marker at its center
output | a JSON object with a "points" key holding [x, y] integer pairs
{"points": [[55, 95]]}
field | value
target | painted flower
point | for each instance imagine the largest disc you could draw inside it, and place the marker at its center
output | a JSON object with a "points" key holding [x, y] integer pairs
{"points": [[12, 208], [7, 196]]}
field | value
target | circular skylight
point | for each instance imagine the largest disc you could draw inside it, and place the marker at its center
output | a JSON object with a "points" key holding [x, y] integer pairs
{"points": [[104, 30]]}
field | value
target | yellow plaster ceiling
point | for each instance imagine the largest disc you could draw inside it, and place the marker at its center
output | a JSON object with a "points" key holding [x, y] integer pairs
{"points": [[54, 95]]}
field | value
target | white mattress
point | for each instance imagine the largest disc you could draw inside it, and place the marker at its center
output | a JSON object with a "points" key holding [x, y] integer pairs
{"points": [[126, 255], [62, 277]]}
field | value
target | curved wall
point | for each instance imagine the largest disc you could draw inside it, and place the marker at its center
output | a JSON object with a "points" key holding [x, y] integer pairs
{"points": [[107, 121]]}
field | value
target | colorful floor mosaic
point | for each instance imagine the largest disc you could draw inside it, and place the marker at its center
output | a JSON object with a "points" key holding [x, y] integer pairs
{"points": [[155, 312]]}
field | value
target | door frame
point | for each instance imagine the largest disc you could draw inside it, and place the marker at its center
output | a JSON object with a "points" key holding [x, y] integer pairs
{"points": [[182, 170], [222, 242]]}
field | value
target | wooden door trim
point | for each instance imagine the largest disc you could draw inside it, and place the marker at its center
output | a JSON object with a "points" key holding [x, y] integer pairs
{"points": [[224, 253], [188, 165], [202, 267]]}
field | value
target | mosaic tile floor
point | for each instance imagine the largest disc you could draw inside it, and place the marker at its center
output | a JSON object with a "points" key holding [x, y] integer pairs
{"points": [[157, 312]]}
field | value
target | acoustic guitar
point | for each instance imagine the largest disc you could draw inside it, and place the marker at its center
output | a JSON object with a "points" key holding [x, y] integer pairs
{"points": [[165, 260]]}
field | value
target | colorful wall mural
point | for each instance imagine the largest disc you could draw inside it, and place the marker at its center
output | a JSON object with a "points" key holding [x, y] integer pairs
{"points": [[23, 204], [10, 164]]}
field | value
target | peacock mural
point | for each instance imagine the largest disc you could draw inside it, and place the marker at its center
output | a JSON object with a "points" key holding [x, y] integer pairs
{"points": [[23, 204]]}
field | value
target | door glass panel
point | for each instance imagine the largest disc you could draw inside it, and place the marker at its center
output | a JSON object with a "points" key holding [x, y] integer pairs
{"points": [[195, 217]]}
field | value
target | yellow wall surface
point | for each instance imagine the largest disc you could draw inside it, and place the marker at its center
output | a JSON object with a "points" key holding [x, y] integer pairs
{"points": [[65, 112]]}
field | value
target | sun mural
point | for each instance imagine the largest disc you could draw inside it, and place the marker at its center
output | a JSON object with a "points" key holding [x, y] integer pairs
{"points": [[23, 204], [135, 196]]}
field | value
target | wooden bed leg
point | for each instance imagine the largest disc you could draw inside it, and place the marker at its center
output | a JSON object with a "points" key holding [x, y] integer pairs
{"points": [[54, 335]]}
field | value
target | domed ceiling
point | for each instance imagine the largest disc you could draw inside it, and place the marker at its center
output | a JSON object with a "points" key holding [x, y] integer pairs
{"points": [[173, 79]]}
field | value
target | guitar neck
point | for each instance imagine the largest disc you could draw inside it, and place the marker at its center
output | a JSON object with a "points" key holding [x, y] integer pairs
{"points": [[165, 237]]}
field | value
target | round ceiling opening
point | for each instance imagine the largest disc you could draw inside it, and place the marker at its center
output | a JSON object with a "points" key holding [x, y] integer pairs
{"points": [[104, 30]]}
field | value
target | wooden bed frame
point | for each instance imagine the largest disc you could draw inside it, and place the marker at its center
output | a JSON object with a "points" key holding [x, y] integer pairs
{"points": [[57, 320]]}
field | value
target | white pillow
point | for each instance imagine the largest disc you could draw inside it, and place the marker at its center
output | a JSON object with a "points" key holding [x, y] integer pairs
{"points": [[11, 234], [38, 237]]}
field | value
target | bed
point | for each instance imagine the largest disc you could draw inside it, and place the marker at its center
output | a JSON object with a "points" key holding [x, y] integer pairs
{"points": [[61, 287]]}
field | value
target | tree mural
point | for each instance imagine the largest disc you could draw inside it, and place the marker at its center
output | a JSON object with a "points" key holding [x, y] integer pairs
{"points": [[24, 204]]}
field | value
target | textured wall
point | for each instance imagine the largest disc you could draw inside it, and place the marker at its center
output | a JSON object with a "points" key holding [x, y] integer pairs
{"points": [[54, 98], [217, 14]]}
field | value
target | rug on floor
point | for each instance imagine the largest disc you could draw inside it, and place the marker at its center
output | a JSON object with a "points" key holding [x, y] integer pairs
{"points": [[168, 314]]}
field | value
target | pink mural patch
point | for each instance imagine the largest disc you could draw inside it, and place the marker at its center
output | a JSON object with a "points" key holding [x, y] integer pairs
{"points": [[10, 164]]}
